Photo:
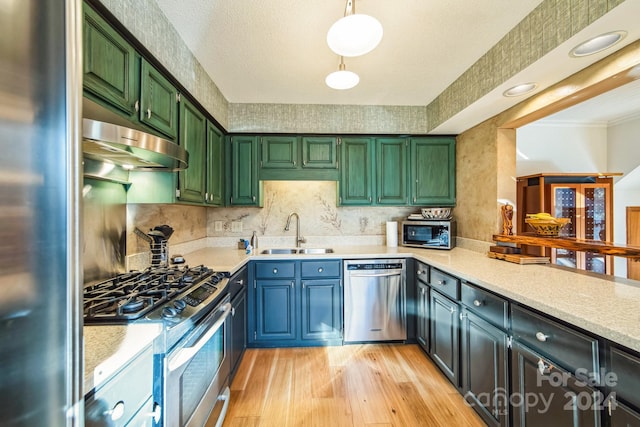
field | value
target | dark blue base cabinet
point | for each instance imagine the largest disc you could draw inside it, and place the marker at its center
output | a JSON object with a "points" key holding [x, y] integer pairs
{"points": [[519, 367], [295, 303]]}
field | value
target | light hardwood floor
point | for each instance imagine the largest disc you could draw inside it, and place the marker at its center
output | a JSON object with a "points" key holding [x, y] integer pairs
{"points": [[352, 385]]}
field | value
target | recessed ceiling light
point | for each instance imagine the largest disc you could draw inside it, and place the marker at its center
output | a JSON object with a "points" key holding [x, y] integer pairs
{"points": [[520, 89], [597, 44]]}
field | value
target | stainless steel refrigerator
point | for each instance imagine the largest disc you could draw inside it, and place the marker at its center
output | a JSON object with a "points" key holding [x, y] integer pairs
{"points": [[40, 265]]}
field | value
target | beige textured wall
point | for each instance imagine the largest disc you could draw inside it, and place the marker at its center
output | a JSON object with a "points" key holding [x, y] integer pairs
{"points": [[486, 154]]}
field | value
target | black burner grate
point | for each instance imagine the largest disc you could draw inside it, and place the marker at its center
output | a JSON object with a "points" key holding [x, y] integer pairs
{"points": [[129, 296]]}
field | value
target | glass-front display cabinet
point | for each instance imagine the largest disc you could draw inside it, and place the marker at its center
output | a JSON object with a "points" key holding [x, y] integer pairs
{"points": [[586, 199]]}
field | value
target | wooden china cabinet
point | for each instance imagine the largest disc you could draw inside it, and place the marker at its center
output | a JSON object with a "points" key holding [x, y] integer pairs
{"points": [[585, 198]]}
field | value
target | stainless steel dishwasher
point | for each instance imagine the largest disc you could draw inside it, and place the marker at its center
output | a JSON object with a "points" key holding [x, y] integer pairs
{"points": [[374, 300]]}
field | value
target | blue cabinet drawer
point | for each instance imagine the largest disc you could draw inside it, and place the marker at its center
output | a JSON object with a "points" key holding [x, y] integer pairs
{"points": [[568, 347], [275, 270], [445, 283], [485, 304], [328, 268], [422, 272]]}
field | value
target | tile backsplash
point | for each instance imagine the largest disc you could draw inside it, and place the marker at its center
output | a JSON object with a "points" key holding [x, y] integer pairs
{"points": [[322, 222]]}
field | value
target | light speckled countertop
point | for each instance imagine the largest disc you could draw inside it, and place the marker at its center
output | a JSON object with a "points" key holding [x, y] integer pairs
{"points": [[107, 348], [605, 307]]}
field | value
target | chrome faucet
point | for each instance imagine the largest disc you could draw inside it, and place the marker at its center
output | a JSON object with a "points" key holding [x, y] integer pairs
{"points": [[299, 238]]}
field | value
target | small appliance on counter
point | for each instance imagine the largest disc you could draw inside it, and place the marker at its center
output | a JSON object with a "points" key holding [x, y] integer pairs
{"points": [[433, 228]]}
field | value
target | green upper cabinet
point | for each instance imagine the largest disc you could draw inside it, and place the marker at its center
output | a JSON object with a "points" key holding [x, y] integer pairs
{"points": [[391, 171], [279, 152], [294, 157], [356, 176], [215, 166], [244, 184], [110, 64], [433, 171], [193, 133], [319, 152], [158, 101]]}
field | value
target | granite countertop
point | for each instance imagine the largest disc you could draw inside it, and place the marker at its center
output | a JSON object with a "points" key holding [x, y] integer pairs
{"points": [[606, 307], [108, 348]]}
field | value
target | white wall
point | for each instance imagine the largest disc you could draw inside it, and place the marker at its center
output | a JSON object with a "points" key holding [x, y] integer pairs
{"points": [[624, 156], [561, 148]]}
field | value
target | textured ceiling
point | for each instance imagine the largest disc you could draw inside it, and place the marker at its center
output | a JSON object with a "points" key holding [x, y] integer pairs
{"points": [[275, 51]]}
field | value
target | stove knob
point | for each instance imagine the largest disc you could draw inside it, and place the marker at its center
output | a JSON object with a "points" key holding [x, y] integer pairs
{"points": [[169, 312], [179, 305], [214, 279]]}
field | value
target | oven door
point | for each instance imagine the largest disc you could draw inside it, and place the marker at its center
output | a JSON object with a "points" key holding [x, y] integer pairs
{"points": [[197, 372]]}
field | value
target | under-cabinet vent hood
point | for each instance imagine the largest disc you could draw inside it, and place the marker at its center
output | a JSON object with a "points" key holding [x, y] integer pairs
{"points": [[109, 138]]}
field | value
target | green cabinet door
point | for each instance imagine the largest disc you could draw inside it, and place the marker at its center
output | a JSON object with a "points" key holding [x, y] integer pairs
{"points": [[356, 176], [215, 166], [422, 316], [433, 171], [158, 101], [110, 70], [193, 133], [244, 171], [319, 152], [279, 152], [321, 309], [275, 310], [391, 171]]}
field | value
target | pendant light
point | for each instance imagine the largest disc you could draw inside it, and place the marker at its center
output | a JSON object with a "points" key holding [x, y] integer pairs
{"points": [[355, 34], [342, 79]]}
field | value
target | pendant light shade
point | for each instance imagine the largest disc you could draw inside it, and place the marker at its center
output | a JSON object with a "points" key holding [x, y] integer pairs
{"points": [[342, 79], [354, 34]]}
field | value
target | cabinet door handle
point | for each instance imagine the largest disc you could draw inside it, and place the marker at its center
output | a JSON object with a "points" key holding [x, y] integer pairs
{"points": [[442, 282], [419, 272], [136, 106], [304, 163], [369, 199], [148, 113], [422, 291], [253, 198], [275, 271], [303, 285], [463, 316], [452, 310], [477, 302], [320, 269], [294, 163], [541, 337], [292, 284], [543, 368], [240, 282]]}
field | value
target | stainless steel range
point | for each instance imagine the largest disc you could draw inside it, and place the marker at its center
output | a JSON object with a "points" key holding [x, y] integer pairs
{"points": [[191, 367]]}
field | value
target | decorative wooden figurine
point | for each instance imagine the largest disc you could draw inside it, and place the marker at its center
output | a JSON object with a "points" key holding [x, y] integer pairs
{"points": [[507, 219]]}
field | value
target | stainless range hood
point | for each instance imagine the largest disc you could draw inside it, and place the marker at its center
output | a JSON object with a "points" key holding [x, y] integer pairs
{"points": [[109, 138]]}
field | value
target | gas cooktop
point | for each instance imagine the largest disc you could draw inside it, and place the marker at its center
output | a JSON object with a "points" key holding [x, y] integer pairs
{"points": [[131, 296]]}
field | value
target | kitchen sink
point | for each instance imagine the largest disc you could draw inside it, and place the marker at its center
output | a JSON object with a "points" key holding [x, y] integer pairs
{"points": [[278, 251], [281, 251], [315, 251]]}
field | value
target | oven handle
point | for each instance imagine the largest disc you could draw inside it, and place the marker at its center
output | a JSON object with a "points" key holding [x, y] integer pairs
{"points": [[185, 354], [226, 394]]}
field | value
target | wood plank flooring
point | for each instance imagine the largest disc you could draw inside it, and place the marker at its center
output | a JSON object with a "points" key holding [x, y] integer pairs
{"points": [[352, 385]]}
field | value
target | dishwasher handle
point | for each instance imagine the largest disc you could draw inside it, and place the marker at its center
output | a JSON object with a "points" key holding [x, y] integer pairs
{"points": [[387, 274]]}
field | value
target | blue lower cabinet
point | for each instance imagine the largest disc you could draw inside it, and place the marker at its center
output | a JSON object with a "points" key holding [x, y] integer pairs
{"points": [[275, 310], [321, 309], [295, 303]]}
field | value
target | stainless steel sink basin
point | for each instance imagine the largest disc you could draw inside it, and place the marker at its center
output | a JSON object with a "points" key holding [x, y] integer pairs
{"points": [[278, 251], [315, 251], [285, 251]]}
